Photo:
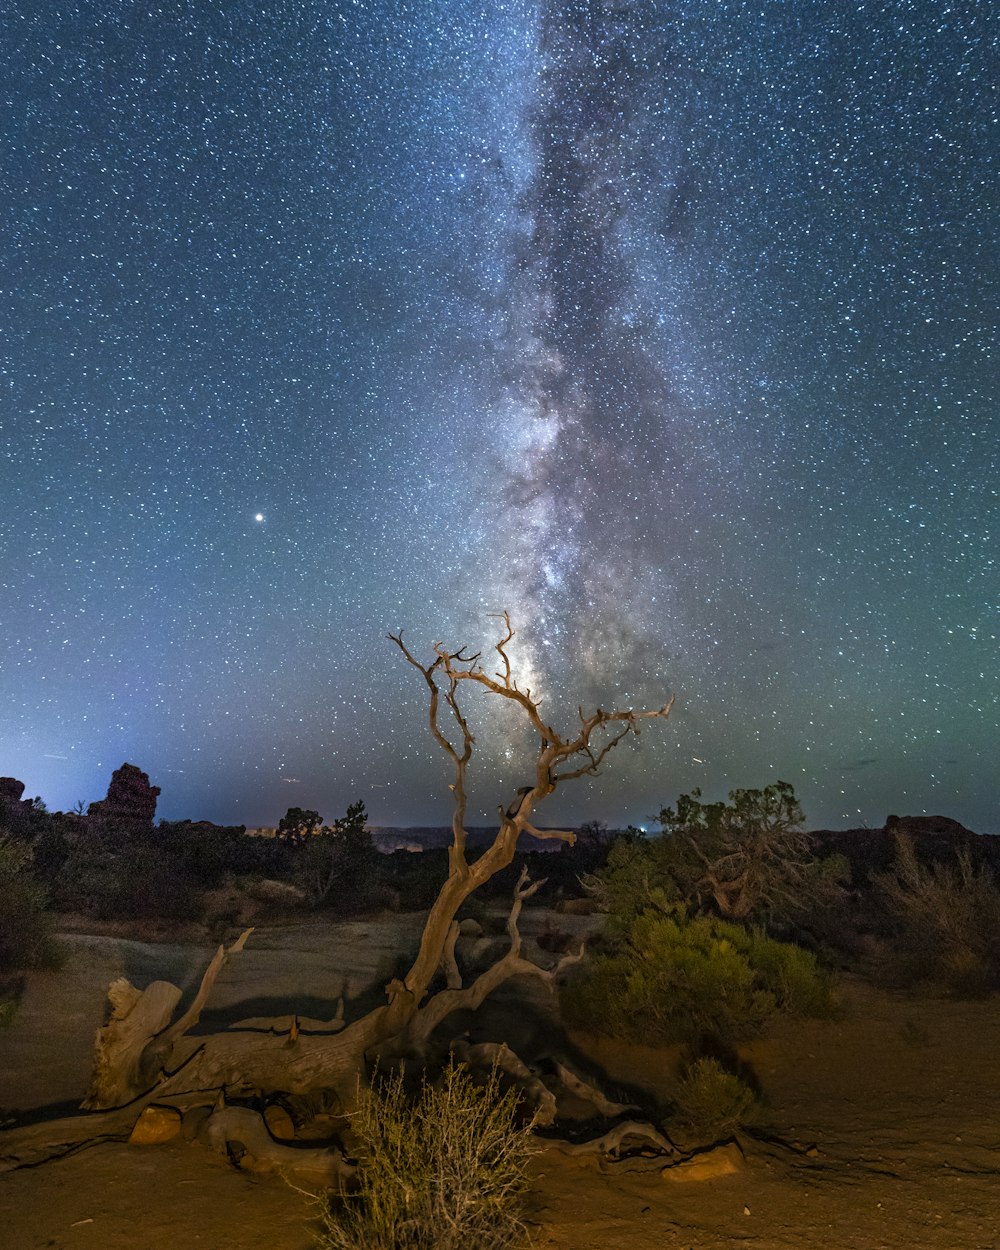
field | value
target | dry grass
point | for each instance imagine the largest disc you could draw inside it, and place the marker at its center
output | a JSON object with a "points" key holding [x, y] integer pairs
{"points": [[444, 1171]]}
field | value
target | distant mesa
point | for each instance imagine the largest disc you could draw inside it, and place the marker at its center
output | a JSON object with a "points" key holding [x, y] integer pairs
{"points": [[936, 838], [130, 805], [389, 838], [927, 826], [415, 838]]}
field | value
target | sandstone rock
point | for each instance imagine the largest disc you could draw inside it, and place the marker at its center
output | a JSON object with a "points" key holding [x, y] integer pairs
{"points": [[129, 804], [321, 1128], [14, 809], [155, 1125], [933, 826], [483, 952], [724, 1160], [469, 928], [11, 791]]}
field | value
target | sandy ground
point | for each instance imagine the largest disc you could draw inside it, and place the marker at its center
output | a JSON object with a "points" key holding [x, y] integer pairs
{"points": [[900, 1097]]}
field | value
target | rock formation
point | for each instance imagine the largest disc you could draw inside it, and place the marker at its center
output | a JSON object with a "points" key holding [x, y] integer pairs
{"points": [[130, 803]]}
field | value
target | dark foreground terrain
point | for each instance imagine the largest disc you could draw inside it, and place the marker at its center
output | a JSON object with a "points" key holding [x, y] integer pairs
{"points": [[888, 1119]]}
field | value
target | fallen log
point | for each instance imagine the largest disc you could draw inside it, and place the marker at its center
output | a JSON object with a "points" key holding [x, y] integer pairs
{"points": [[131, 1049], [242, 1135]]}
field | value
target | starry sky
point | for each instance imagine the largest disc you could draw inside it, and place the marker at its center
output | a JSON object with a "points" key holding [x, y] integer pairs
{"points": [[665, 325]]}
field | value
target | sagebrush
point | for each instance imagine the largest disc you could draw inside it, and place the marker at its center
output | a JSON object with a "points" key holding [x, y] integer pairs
{"points": [[445, 1170], [712, 1102], [945, 919]]}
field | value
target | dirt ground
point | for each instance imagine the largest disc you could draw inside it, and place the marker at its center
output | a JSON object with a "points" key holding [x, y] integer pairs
{"points": [[894, 1110]]}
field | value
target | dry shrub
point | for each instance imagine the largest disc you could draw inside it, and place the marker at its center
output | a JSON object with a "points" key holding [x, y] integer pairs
{"points": [[25, 926], [947, 920], [714, 1103], [444, 1171]]}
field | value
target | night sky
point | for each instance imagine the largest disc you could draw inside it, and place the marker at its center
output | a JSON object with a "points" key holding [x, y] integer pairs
{"points": [[665, 326]]}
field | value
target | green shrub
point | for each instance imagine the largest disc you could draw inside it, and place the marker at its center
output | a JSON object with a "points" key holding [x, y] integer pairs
{"points": [[678, 978], [445, 1171], [714, 1103], [25, 928], [800, 986], [633, 879]]}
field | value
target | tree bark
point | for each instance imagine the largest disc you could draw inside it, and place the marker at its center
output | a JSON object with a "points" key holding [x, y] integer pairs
{"points": [[140, 1052]]}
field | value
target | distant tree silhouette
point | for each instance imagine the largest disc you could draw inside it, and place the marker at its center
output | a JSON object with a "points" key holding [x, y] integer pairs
{"points": [[339, 855], [299, 823]]}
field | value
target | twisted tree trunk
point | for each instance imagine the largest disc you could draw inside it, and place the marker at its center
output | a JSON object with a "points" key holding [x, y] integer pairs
{"points": [[142, 1053]]}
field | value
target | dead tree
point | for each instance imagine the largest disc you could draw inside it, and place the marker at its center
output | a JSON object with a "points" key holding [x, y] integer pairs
{"points": [[154, 1058]]}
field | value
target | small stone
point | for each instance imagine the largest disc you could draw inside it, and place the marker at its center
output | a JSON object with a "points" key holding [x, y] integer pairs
{"points": [[722, 1161], [279, 1123], [155, 1125]]}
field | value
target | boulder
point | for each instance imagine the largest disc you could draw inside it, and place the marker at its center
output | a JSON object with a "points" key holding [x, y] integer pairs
{"points": [[279, 1123], [709, 1165], [155, 1125]]}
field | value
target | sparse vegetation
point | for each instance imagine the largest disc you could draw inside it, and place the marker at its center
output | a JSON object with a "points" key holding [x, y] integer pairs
{"points": [[141, 882], [25, 926], [945, 920], [677, 977], [337, 854], [443, 1171], [713, 1103], [748, 859]]}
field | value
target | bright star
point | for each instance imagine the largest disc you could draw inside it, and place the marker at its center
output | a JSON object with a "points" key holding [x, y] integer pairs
{"points": [[259, 516]]}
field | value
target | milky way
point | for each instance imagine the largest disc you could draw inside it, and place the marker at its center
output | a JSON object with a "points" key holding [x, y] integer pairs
{"points": [[666, 327]]}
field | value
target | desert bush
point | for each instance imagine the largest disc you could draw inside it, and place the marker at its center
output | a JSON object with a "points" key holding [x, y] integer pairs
{"points": [[678, 977], [338, 863], [945, 919], [444, 1171], [633, 879], [415, 877], [143, 883], [712, 1102], [25, 929], [748, 858], [205, 853], [298, 823]]}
